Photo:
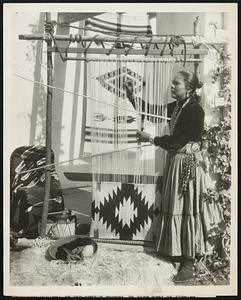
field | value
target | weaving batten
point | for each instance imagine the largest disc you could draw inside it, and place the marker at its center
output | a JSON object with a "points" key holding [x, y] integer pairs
{"points": [[84, 157]]}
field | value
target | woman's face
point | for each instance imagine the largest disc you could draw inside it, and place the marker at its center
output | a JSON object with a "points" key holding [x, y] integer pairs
{"points": [[178, 87]]}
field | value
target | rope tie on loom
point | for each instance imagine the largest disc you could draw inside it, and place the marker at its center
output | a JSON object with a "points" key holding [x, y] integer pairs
{"points": [[49, 27], [128, 50], [148, 46], [90, 43], [175, 42], [164, 47], [66, 49], [114, 45], [76, 38]]}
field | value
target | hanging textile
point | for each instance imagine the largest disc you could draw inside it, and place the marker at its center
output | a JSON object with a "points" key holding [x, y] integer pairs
{"points": [[107, 27]]}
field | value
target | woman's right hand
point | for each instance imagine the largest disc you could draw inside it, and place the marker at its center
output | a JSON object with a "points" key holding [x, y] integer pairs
{"points": [[142, 136], [128, 86]]}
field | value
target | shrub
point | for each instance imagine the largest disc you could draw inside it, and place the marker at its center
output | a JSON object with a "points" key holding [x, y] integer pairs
{"points": [[216, 267]]}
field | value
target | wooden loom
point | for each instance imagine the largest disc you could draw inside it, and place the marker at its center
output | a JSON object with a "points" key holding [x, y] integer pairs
{"points": [[121, 45]]}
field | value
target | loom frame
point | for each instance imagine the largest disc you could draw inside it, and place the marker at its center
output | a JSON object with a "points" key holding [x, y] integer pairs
{"points": [[144, 42]]}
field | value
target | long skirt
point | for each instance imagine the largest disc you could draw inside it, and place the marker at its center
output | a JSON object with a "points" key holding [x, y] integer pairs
{"points": [[186, 220]]}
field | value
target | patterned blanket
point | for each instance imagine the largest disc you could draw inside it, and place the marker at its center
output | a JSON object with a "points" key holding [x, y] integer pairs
{"points": [[27, 189]]}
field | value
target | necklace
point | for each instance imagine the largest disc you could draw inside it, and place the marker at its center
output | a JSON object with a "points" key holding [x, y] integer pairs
{"points": [[175, 115]]}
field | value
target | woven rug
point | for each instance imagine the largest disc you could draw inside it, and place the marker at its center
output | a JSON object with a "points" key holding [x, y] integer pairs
{"points": [[112, 265]]}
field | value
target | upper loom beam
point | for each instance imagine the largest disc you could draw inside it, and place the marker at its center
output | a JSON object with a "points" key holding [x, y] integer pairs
{"points": [[130, 51], [121, 39], [153, 41]]}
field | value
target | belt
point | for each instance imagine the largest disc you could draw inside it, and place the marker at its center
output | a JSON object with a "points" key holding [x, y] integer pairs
{"points": [[189, 148], [189, 163]]}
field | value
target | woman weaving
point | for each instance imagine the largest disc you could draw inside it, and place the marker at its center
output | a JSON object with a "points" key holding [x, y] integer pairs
{"points": [[182, 226]]}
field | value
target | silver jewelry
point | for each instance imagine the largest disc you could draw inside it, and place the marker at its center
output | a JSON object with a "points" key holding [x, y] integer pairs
{"points": [[151, 140], [175, 115]]}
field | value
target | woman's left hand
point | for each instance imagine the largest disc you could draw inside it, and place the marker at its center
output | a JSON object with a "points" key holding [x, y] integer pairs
{"points": [[142, 136]]}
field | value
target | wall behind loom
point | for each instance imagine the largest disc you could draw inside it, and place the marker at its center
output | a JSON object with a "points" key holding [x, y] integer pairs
{"points": [[213, 26]]}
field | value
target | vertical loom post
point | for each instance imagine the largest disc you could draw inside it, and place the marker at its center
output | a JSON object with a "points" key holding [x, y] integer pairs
{"points": [[118, 67], [48, 133], [196, 64], [84, 103], [36, 87]]}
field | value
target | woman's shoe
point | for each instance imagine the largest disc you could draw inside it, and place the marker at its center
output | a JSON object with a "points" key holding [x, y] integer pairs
{"points": [[186, 272]]}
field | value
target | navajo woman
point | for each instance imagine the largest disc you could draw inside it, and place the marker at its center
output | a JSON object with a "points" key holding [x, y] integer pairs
{"points": [[182, 232]]}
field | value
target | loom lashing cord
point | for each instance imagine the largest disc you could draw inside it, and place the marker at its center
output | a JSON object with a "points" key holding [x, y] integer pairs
{"points": [[83, 158], [78, 38], [172, 43], [56, 46], [90, 98], [175, 42], [164, 47], [131, 46]]}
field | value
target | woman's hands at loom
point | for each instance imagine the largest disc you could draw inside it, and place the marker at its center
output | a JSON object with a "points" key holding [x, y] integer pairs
{"points": [[128, 86], [142, 136]]}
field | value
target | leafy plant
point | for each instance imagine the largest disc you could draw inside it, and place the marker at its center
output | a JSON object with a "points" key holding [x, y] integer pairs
{"points": [[216, 267]]}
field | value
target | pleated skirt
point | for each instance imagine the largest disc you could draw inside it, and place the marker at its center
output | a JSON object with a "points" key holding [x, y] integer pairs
{"points": [[186, 221]]}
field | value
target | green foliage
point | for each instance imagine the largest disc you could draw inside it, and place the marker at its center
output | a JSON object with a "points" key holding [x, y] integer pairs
{"points": [[216, 268], [217, 142]]}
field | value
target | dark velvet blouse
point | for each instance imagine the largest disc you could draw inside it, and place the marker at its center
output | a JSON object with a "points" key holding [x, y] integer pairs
{"points": [[189, 126]]}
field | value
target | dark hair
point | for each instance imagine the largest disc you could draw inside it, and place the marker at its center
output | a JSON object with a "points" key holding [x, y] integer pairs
{"points": [[191, 80]]}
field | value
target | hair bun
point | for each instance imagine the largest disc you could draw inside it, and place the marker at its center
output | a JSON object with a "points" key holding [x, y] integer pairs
{"points": [[199, 84]]}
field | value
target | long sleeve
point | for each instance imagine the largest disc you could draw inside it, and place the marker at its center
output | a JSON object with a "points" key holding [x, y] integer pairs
{"points": [[189, 127]]}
